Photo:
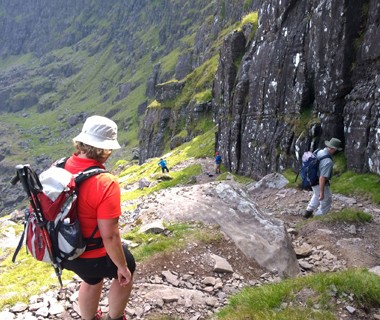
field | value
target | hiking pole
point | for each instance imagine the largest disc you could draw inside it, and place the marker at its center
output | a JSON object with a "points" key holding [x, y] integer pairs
{"points": [[32, 186]]}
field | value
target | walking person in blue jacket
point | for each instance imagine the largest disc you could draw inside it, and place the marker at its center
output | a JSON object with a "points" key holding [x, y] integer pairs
{"points": [[162, 164], [218, 161]]}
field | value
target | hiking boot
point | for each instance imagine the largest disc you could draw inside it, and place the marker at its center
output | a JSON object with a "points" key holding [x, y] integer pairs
{"points": [[98, 315], [308, 214]]}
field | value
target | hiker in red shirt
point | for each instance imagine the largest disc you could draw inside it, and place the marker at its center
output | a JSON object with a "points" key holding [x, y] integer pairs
{"points": [[99, 211]]}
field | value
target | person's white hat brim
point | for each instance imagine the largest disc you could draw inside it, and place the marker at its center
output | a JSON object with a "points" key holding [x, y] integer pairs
{"points": [[99, 132]]}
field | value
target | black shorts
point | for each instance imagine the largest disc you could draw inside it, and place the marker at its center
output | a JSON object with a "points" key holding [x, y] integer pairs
{"points": [[93, 270]]}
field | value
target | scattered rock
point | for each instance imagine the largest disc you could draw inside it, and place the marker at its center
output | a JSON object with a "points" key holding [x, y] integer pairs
{"points": [[351, 309], [304, 250], [221, 264], [375, 270]]}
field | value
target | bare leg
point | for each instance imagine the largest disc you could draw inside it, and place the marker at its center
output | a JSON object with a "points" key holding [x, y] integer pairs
{"points": [[118, 298], [89, 296]]}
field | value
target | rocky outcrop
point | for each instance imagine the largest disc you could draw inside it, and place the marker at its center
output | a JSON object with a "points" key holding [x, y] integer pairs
{"points": [[309, 60], [152, 132], [362, 109], [169, 90], [152, 82], [184, 66], [167, 125], [259, 236]]}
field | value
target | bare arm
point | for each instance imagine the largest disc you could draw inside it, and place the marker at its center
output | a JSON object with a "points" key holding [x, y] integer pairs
{"points": [[109, 231], [322, 182]]}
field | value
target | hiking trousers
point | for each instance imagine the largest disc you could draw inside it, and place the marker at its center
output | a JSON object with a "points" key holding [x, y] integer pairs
{"points": [[323, 206]]}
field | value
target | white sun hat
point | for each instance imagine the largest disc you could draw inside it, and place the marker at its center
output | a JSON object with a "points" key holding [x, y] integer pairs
{"points": [[99, 132]]}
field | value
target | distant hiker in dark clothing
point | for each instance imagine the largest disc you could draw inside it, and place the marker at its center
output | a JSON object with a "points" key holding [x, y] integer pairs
{"points": [[322, 198], [218, 161], [163, 166]]}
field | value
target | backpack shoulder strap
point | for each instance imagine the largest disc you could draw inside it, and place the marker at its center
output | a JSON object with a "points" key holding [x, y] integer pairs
{"points": [[83, 175], [91, 242], [323, 157], [61, 162], [87, 173]]}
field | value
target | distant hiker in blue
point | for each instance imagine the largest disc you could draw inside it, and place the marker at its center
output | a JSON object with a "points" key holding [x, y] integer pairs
{"points": [[163, 166], [218, 161]]}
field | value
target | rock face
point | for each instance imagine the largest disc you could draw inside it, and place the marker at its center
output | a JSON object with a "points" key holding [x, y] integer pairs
{"points": [[309, 59], [362, 110], [259, 236], [154, 136]]}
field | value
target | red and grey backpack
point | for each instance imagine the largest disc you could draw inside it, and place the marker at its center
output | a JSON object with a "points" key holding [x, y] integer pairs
{"points": [[51, 229]]}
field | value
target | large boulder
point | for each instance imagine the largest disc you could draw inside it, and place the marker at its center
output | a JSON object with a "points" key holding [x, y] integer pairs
{"points": [[259, 236]]}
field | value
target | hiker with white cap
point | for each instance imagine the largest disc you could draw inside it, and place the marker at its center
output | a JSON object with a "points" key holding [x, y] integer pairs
{"points": [[99, 211], [322, 198]]}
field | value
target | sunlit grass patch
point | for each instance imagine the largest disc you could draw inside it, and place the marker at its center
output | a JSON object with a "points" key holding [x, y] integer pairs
{"points": [[310, 297], [203, 96], [347, 215], [178, 236], [200, 147], [291, 176], [177, 177], [26, 277], [350, 183], [251, 17]]}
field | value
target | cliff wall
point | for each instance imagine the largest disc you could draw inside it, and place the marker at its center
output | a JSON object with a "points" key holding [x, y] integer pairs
{"points": [[310, 73]]}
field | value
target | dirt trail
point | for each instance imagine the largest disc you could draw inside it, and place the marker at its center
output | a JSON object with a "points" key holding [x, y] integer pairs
{"points": [[356, 243]]}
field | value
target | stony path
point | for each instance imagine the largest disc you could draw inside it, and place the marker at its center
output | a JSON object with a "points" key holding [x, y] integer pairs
{"points": [[189, 283]]}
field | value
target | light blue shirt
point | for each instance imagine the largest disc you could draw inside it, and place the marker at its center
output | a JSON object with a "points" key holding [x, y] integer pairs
{"points": [[325, 165]]}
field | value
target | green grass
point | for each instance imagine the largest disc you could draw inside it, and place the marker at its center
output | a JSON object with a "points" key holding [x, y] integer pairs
{"points": [[365, 185], [26, 277], [288, 300], [15, 61], [180, 234], [347, 215], [200, 147], [203, 96], [290, 175], [177, 177], [251, 18], [169, 61], [198, 83]]}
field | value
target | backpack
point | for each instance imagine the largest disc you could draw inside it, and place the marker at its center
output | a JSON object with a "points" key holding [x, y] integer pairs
{"points": [[310, 168], [51, 229], [218, 159]]}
